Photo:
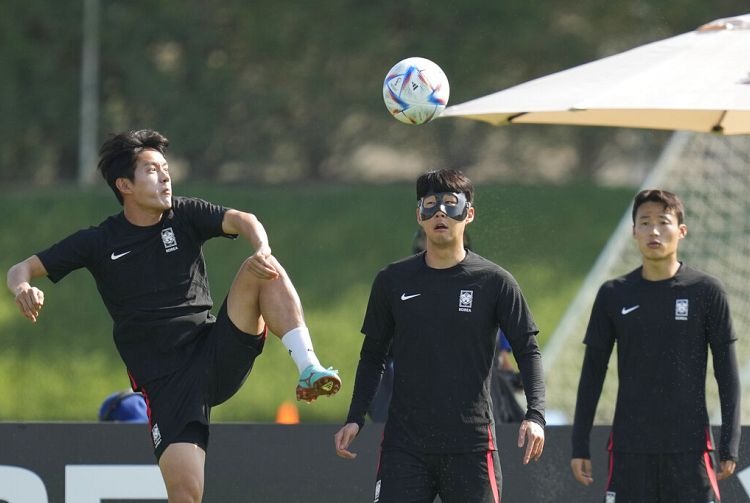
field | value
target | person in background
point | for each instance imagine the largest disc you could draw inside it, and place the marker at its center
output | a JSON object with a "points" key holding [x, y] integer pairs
{"points": [[664, 316], [124, 407], [506, 381], [437, 313]]}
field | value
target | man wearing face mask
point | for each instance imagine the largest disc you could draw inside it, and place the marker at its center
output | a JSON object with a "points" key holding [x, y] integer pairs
{"points": [[438, 313]]}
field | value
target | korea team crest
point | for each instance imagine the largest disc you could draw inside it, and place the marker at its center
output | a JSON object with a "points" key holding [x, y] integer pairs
{"points": [[169, 239], [681, 309], [465, 300]]}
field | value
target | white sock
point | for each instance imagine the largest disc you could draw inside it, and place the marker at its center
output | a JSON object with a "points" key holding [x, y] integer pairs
{"points": [[300, 347]]}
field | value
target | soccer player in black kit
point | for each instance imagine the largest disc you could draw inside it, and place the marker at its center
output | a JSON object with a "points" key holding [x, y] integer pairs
{"points": [[148, 265], [663, 316], [438, 313]]}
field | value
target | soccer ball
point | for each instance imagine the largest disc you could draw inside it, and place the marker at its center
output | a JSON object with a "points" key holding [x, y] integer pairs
{"points": [[415, 90]]}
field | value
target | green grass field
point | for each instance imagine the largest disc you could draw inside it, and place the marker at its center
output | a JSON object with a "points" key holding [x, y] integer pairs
{"points": [[332, 241]]}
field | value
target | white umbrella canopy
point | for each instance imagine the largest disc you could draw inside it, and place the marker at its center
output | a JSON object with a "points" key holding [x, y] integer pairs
{"points": [[697, 81]]}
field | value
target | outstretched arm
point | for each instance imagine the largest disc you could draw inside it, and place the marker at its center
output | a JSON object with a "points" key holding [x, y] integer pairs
{"points": [[29, 299]]}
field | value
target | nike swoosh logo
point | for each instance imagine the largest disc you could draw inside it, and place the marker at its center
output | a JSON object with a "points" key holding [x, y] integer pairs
{"points": [[116, 256], [407, 297], [626, 310]]}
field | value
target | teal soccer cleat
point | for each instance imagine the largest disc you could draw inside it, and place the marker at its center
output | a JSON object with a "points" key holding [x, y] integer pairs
{"points": [[315, 381]]}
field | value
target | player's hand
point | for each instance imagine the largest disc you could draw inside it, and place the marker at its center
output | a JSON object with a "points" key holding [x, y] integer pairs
{"points": [[531, 434], [727, 469], [29, 300], [343, 438], [261, 263], [582, 470]]}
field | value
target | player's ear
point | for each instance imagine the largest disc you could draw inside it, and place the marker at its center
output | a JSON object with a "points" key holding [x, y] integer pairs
{"points": [[419, 216], [683, 230], [470, 215], [124, 185]]}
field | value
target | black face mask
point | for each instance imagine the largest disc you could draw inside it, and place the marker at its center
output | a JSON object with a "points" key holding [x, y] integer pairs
{"points": [[453, 204]]}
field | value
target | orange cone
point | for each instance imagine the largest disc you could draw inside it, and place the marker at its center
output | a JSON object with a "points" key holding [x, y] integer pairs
{"points": [[287, 413]]}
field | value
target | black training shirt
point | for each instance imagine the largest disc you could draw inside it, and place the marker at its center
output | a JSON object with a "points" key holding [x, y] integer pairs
{"points": [[441, 327], [663, 330], [152, 280]]}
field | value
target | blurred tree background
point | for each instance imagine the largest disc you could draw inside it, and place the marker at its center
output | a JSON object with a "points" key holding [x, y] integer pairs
{"points": [[275, 92]]}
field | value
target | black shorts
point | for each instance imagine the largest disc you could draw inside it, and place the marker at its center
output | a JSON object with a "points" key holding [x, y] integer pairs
{"points": [[179, 404], [686, 477], [411, 477]]}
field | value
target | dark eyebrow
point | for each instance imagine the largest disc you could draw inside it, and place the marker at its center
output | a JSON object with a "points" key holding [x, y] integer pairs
{"points": [[663, 215], [154, 163]]}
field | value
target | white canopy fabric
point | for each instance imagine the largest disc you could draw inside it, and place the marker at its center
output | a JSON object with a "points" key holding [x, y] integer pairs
{"points": [[697, 81]]}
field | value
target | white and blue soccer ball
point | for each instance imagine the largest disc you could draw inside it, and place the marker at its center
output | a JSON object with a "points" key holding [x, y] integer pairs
{"points": [[415, 90]]}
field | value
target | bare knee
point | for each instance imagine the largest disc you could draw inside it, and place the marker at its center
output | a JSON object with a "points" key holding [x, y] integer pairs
{"points": [[251, 281]]}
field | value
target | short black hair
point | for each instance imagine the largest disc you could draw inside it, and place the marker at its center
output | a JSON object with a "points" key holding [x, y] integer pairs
{"points": [[670, 201], [444, 180], [117, 155]]}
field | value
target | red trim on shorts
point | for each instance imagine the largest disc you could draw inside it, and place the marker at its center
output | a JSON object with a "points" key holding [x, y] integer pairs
{"points": [[708, 461], [491, 446], [138, 388], [711, 474], [491, 465]]}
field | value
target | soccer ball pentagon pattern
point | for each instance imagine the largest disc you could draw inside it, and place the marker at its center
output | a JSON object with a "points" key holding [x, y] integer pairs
{"points": [[415, 90]]}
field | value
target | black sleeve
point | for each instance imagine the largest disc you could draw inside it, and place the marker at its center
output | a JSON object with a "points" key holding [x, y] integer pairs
{"points": [[727, 378], [519, 328], [378, 322], [205, 217], [529, 360], [74, 252], [593, 372], [721, 337], [372, 360], [378, 330]]}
